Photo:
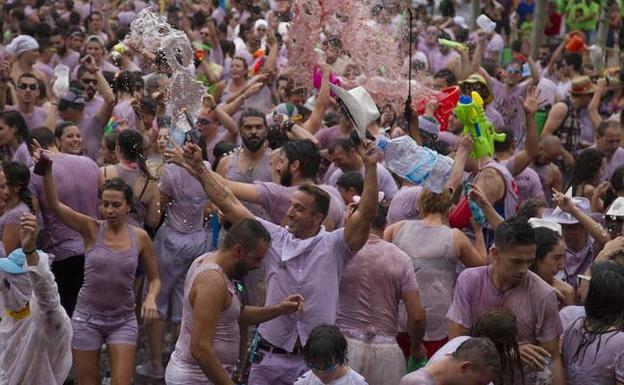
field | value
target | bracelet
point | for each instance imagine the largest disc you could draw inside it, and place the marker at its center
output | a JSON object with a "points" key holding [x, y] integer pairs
{"points": [[29, 252]]}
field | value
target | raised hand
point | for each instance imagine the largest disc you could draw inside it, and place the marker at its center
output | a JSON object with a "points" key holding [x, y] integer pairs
{"points": [[28, 231], [531, 102]]}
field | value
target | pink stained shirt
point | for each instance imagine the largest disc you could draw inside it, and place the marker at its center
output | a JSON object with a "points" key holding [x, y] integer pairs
{"points": [[371, 286], [310, 267], [532, 301]]}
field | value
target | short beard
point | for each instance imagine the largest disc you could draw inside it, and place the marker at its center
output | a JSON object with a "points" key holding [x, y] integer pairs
{"points": [[253, 144]]}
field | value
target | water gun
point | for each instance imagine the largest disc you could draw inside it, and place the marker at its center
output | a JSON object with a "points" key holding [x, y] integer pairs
{"points": [[470, 112], [452, 44]]}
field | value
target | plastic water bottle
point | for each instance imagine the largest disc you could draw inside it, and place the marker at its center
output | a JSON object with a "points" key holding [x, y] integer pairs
{"points": [[61, 84], [420, 165]]}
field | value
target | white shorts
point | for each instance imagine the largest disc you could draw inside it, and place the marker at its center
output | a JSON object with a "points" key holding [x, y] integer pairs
{"points": [[379, 360]]}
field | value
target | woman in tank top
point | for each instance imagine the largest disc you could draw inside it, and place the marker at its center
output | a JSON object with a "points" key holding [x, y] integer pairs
{"points": [[436, 249], [18, 201], [132, 169], [104, 311]]}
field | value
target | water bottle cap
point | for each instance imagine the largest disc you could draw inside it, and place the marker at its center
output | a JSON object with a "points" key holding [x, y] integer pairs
{"points": [[465, 99], [381, 141]]}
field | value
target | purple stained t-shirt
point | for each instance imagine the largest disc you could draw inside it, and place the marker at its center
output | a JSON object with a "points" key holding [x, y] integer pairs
{"points": [[532, 301], [37, 118], [76, 178], [509, 103], [614, 162], [601, 363], [275, 199], [385, 180], [22, 155], [371, 286]]}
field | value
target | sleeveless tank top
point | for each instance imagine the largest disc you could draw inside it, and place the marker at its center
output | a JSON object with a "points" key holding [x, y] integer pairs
{"points": [[227, 334], [139, 210], [108, 288], [260, 173], [508, 206], [433, 255]]}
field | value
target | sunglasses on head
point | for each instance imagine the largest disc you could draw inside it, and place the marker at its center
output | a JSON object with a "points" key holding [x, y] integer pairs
{"points": [[23, 86]]}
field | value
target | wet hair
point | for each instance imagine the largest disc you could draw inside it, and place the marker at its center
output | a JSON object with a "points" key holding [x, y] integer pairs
{"points": [[530, 207], [15, 120], [130, 144], [118, 184], [18, 175], [515, 231], [604, 306], [241, 59], [546, 240], [449, 77], [247, 233], [500, 327], [432, 203], [382, 216], [307, 153], [110, 141], [251, 113], [220, 150], [345, 144], [480, 352], [124, 82], [351, 179], [587, 165], [325, 345], [44, 137], [149, 105], [575, 60], [321, 198]]}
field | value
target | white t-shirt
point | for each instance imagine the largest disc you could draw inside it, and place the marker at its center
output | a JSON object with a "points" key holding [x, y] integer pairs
{"points": [[351, 378]]}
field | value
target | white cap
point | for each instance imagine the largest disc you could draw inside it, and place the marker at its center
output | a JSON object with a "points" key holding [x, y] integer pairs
{"points": [[21, 44]]}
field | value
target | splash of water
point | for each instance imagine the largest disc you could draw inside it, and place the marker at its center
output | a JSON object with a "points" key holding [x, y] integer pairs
{"points": [[150, 32]]}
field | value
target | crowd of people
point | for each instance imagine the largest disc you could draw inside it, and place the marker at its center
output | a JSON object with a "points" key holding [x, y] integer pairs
{"points": [[274, 243]]}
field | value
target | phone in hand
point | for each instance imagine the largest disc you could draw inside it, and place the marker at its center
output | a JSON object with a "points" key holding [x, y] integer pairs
{"points": [[43, 165]]}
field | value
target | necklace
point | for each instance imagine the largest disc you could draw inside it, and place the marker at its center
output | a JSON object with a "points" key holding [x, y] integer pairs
{"points": [[251, 164]]}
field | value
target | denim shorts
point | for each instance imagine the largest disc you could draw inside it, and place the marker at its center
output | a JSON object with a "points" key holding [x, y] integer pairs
{"points": [[91, 331]]}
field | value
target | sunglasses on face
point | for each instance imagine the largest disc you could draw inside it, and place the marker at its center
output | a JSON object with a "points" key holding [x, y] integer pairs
{"points": [[513, 70], [32, 87], [203, 122], [89, 81]]}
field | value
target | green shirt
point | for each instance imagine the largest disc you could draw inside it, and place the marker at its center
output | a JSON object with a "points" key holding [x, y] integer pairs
{"points": [[592, 9], [574, 12]]}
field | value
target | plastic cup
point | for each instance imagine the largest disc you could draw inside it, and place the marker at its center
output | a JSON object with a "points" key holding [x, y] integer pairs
{"points": [[485, 23]]}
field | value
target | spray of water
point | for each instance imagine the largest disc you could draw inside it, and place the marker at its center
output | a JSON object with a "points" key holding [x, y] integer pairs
{"points": [[150, 32]]}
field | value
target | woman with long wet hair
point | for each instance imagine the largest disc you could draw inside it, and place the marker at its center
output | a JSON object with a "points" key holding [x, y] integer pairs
{"points": [[593, 346]]}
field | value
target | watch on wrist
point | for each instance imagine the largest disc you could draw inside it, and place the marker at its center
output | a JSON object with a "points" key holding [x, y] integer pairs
{"points": [[289, 124]]}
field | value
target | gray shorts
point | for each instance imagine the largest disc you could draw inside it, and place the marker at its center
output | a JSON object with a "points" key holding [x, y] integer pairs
{"points": [[91, 331]]}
